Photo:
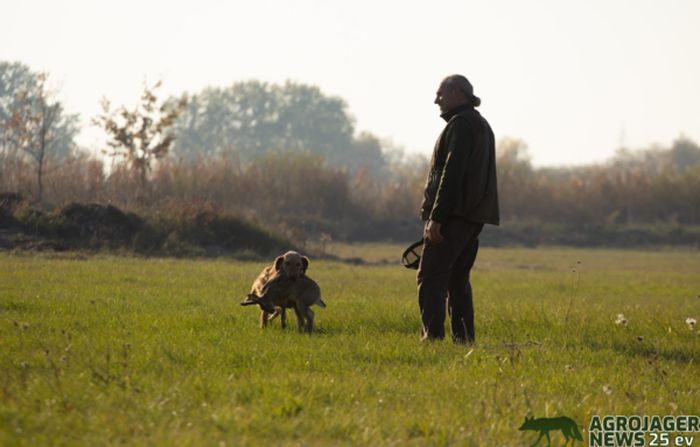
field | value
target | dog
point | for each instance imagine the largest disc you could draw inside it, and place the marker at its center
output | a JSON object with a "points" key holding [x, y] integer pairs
{"points": [[567, 426], [280, 291], [291, 265]]}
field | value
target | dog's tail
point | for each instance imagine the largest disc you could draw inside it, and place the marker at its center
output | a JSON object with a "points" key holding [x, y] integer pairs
{"points": [[321, 303]]}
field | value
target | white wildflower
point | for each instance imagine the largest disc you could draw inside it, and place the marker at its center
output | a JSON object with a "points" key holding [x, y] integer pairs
{"points": [[621, 320]]}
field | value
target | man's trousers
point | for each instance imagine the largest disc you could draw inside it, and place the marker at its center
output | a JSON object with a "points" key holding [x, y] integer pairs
{"points": [[443, 275]]}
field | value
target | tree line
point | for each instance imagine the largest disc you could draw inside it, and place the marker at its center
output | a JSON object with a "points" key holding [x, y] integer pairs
{"points": [[290, 158]]}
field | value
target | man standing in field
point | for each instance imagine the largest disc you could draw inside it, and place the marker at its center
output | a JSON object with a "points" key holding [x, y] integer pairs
{"points": [[460, 197]]}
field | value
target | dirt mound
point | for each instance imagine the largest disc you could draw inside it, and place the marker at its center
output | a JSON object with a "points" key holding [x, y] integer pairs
{"points": [[103, 222], [94, 227], [7, 220], [8, 202]]}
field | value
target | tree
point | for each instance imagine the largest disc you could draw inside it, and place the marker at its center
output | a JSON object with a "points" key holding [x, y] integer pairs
{"points": [[141, 135], [253, 118], [684, 154], [18, 83], [33, 124], [515, 177], [37, 126]]}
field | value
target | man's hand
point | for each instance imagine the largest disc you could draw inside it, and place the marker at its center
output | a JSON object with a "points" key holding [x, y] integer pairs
{"points": [[431, 232]]}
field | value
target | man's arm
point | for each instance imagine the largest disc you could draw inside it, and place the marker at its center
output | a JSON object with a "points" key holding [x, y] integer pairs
{"points": [[432, 232], [458, 140]]}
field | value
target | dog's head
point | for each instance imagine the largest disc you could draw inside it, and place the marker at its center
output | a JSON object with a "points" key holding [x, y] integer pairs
{"points": [[292, 264], [264, 304], [528, 424]]}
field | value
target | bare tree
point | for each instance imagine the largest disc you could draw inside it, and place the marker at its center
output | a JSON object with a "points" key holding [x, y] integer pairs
{"points": [[14, 78], [34, 125], [140, 135]]}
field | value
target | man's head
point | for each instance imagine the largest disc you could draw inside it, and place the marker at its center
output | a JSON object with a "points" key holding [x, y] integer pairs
{"points": [[455, 91]]}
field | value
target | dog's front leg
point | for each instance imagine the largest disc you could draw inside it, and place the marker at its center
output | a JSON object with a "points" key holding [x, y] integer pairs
{"points": [[300, 317]]}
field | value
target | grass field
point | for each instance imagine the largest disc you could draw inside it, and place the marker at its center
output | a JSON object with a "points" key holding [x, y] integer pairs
{"points": [[108, 350]]}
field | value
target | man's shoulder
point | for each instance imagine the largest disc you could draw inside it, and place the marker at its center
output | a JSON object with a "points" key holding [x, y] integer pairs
{"points": [[469, 115], [470, 119]]}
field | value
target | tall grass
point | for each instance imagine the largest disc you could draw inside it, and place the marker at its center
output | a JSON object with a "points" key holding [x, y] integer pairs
{"points": [[649, 197], [104, 351]]}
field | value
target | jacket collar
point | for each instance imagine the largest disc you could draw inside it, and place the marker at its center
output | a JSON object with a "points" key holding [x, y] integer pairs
{"points": [[448, 115]]}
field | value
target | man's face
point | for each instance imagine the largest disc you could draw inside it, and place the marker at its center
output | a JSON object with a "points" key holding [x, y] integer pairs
{"points": [[447, 97]]}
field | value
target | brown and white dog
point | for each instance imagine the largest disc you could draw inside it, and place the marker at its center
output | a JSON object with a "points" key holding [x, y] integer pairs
{"points": [[280, 291], [290, 265]]}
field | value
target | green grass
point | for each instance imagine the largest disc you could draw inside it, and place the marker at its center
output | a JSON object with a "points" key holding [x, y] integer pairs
{"points": [[107, 350]]}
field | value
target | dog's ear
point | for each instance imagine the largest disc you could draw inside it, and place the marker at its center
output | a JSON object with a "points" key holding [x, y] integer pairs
{"points": [[278, 263], [304, 263], [250, 300]]}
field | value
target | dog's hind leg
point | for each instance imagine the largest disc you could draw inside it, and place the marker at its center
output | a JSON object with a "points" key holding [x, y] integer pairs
{"points": [[300, 317]]}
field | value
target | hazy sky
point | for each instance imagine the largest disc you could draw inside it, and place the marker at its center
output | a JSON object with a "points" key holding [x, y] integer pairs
{"points": [[573, 79]]}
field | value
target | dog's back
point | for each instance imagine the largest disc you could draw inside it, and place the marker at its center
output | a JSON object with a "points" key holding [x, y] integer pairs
{"points": [[257, 289], [304, 290], [262, 280]]}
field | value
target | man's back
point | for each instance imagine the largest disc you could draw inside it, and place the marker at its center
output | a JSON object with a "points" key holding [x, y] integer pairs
{"points": [[480, 182], [462, 179]]}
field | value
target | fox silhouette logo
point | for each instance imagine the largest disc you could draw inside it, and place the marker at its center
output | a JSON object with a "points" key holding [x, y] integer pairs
{"points": [[544, 425]]}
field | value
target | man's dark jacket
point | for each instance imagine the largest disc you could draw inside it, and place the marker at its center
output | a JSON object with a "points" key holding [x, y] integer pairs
{"points": [[462, 177]]}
